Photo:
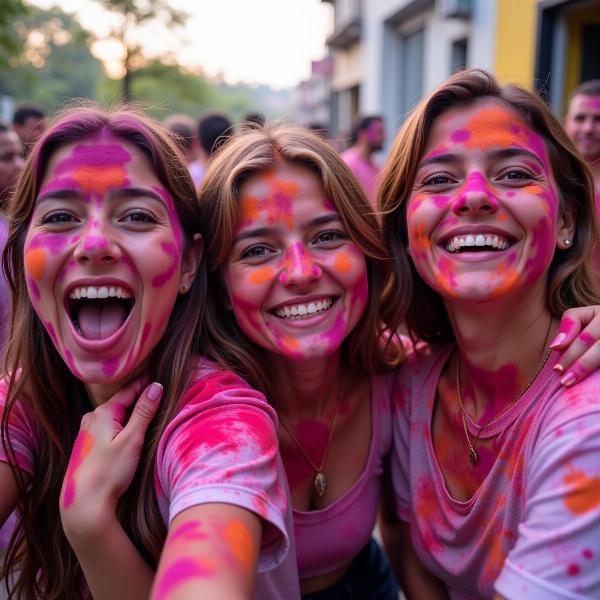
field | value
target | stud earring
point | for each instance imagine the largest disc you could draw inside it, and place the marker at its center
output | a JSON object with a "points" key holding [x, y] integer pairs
{"points": [[184, 288], [567, 242]]}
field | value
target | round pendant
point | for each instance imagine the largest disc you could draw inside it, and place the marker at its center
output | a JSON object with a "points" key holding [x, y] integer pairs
{"points": [[473, 456], [320, 484]]}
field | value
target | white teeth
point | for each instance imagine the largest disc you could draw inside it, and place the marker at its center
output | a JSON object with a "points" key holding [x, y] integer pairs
{"points": [[102, 292], [300, 311], [476, 240]]}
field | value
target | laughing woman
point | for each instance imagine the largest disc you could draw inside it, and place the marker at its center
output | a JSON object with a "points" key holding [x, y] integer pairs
{"points": [[104, 259], [496, 465]]}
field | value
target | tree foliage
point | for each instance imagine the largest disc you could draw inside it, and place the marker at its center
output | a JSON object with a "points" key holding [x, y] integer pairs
{"points": [[10, 44], [135, 15], [55, 63]]}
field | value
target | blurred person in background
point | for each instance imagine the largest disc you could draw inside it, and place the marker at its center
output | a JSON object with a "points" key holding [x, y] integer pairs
{"points": [[214, 129], [182, 128], [29, 122], [368, 136], [582, 123], [252, 119]]}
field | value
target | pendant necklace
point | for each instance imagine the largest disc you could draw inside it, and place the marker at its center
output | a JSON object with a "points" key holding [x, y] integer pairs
{"points": [[473, 456], [320, 479]]}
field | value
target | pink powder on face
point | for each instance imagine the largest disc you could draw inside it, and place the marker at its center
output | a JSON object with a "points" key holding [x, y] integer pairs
{"points": [[440, 201], [297, 263], [162, 278], [181, 572], [110, 365], [95, 242], [460, 136], [173, 216], [48, 241]]}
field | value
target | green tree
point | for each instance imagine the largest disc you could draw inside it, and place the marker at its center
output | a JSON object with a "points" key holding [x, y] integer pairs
{"points": [[10, 44], [135, 15], [55, 63]]}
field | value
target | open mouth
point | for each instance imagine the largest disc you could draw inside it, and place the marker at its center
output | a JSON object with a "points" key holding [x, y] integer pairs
{"points": [[295, 312], [480, 242], [99, 312]]}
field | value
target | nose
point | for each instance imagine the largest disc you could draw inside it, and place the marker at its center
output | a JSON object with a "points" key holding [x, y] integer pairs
{"points": [[96, 246], [475, 197], [298, 269]]}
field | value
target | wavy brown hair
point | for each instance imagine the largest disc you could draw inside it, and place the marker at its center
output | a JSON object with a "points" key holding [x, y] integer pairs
{"points": [[39, 562], [571, 279], [258, 150]]}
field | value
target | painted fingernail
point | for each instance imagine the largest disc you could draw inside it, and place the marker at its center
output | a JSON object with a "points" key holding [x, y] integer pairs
{"points": [[155, 391], [558, 339], [568, 379], [558, 368]]}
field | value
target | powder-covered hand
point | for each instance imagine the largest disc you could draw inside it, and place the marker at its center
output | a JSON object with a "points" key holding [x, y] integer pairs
{"points": [[577, 340], [105, 457]]}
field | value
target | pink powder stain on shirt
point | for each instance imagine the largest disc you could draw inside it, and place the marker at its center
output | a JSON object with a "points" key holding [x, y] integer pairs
{"points": [[573, 570], [81, 448], [109, 366], [587, 553], [162, 278], [182, 571]]}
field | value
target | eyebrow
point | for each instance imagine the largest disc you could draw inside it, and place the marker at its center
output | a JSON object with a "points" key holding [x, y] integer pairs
{"points": [[497, 154], [115, 194], [263, 231]]}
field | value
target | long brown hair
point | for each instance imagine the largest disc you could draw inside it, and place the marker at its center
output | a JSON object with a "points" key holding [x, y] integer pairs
{"points": [[571, 279], [40, 562], [258, 150]]}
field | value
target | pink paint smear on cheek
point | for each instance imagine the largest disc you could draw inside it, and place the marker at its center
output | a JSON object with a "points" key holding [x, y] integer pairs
{"points": [[169, 249], [52, 242], [182, 571], [71, 264], [34, 290], [83, 445], [110, 366], [173, 217]]}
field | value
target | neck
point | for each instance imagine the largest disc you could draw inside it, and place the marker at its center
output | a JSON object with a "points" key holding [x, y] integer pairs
{"points": [[306, 389], [501, 349], [364, 149], [99, 393]]}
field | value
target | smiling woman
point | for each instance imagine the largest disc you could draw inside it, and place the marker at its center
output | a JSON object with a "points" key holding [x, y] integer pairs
{"points": [[105, 262], [496, 466]]}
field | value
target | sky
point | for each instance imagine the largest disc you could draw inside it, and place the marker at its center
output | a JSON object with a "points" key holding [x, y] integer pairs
{"points": [[254, 41]]}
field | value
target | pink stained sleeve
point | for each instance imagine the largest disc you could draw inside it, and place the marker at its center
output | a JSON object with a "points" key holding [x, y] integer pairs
{"points": [[557, 553], [222, 448], [20, 433]]}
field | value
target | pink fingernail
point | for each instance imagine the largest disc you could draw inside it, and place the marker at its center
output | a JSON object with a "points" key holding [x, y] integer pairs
{"points": [[558, 339], [568, 379], [558, 368], [155, 391]]}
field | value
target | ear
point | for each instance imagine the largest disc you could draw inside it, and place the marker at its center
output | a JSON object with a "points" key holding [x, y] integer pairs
{"points": [[565, 232], [191, 262]]}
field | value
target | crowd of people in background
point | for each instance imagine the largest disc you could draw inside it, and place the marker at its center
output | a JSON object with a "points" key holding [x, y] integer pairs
{"points": [[232, 349]]}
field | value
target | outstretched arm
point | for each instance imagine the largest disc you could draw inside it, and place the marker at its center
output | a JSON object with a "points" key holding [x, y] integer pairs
{"points": [[103, 461], [211, 552]]}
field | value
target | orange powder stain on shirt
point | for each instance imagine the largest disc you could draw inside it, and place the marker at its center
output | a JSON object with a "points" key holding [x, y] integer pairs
{"points": [[584, 493], [494, 127], [99, 179], [262, 275], [238, 538], [341, 263], [35, 262]]}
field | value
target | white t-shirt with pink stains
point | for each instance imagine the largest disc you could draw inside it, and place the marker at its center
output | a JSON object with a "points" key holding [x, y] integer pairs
{"points": [[532, 529], [220, 447]]}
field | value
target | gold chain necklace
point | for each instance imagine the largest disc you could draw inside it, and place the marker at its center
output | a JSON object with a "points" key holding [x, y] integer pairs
{"points": [[473, 455], [320, 480]]}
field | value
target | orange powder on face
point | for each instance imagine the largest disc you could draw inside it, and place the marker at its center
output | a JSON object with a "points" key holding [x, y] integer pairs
{"points": [[238, 538], [494, 127], [342, 263], [290, 343], [99, 179], [35, 262], [511, 277], [262, 275], [584, 494], [248, 208]]}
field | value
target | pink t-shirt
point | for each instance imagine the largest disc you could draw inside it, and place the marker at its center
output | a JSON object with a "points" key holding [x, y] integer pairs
{"points": [[329, 538], [532, 529], [221, 447], [366, 171]]}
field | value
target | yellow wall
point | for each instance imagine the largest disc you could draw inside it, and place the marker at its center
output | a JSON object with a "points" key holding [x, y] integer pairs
{"points": [[515, 41]]}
